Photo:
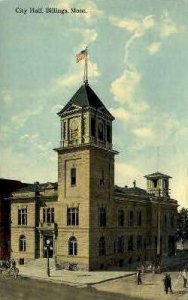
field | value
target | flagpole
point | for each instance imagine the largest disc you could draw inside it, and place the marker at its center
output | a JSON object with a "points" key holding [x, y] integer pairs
{"points": [[86, 68]]}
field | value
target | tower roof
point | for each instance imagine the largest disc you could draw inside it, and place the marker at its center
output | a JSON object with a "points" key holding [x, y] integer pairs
{"points": [[157, 175], [86, 97]]}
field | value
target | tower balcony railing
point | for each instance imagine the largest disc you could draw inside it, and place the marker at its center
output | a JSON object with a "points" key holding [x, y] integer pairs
{"points": [[91, 140]]}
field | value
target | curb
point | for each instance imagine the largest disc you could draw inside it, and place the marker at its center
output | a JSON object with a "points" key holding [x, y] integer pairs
{"points": [[81, 285]]}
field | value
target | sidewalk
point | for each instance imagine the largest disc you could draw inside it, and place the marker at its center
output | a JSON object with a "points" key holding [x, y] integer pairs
{"points": [[76, 278]]}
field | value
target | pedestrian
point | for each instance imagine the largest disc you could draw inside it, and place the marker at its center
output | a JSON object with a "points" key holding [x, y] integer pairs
{"points": [[167, 283], [138, 276], [184, 276]]}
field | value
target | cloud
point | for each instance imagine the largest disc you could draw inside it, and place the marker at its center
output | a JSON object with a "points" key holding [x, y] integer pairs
{"points": [[5, 132], [126, 173], [143, 132], [15, 165], [129, 24], [121, 113], [88, 35], [76, 76], [167, 27], [20, 119], [56, 108], [123, 88], [153, 48], [7, 98], [33, 142]]}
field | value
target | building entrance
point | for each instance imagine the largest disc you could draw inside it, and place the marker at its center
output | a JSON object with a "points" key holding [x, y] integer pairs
{"points": [[48, 246]]}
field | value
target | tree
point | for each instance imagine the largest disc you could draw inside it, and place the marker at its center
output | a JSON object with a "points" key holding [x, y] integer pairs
{"points": [[182, 226]]}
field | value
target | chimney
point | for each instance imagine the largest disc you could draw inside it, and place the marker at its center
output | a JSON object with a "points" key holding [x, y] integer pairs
{"points": [[134, 183]]}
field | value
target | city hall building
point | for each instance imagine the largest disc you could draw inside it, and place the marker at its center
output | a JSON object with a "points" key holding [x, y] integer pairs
{"points": [[89, 222]]}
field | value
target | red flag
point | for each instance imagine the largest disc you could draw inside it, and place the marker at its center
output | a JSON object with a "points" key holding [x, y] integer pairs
{"points": [[81, 55]]}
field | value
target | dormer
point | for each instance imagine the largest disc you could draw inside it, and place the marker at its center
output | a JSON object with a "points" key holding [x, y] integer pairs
{"points": [[158, 184]]}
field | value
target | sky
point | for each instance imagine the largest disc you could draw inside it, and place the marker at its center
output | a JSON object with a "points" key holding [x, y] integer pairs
{"points": [[138, 62]]}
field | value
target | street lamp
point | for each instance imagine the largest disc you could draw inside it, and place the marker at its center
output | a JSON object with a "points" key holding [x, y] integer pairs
{"points": [[48, 247]]}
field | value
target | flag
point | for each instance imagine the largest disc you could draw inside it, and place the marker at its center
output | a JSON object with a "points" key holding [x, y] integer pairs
{"points": [[81, 55]]}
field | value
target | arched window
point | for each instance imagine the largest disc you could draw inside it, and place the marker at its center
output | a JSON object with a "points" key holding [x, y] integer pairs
{"points": [[72, 246], [102, 246], [22, 243]]}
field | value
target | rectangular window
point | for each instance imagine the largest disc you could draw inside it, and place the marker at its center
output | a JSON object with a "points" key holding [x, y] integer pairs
{"points": [[131, 218], [120, 244], [101, 181], [72, 216], [139, 218], [64, 130], [22, 216], [120, 217], [102, 216], [130, 243], [73, 176], [48, 215], [109, 134], [139, 242], [93, 125]]}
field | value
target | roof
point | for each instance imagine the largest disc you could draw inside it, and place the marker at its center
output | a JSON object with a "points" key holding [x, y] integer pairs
{"points": [[134, 191], [39, 187], [157, 175], [85, 97], [7, 186]]}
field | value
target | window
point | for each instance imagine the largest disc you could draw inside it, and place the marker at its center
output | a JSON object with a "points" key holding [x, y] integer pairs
{"points": [[172, 221], [73, 176], [109, 134], [120, 244], [102, 216], [101, 131], [64, 130], [120, 217], [155, 181], [131, 218], [48, 215], [93, 124], [22, 216], [139, 242], [22, 243], [101, 181], [139, 218], [102, 246], [130, 243], [165, 220], [72, 245], [72, 216]]}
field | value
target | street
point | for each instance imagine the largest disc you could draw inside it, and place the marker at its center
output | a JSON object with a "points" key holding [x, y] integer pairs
{"points": [[151, 289], [28, 289], [118, 289]]}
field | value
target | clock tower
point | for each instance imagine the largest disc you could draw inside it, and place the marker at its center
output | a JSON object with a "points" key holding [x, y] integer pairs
{"points": [[85, 181]]}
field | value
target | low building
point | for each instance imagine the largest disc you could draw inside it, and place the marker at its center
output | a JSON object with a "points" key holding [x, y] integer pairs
{"points": [[90, 223], [7, 186]]}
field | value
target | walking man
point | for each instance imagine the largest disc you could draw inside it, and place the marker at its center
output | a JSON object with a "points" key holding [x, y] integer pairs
{"points": [[184, 276], [138, 276], [167, 283]]}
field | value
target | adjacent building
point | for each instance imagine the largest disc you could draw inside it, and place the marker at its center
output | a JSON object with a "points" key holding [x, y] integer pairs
{"points": [[90, 223]]}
